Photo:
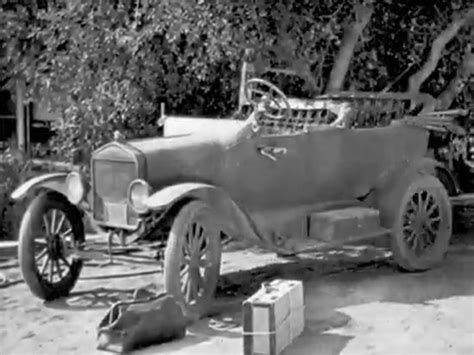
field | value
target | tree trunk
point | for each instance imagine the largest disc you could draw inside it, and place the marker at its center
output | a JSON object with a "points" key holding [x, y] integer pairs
{"points": [[20, 115], [456, 85], [349, 41], [417, 79], [297, 66], [303, 69]]}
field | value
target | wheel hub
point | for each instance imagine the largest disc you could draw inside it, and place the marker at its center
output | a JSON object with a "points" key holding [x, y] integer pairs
{"points": [[193, 262], [419, 226], [55, 246]]}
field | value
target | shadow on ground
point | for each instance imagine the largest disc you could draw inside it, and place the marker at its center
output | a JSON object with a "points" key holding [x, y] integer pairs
{"points": [[226, 320], [237, 284], [343, 308], [246, 282], [97, 298], [386, 301], [338, 284]]}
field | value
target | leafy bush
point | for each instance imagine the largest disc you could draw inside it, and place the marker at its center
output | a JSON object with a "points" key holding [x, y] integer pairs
{"points": [[107, 65]]}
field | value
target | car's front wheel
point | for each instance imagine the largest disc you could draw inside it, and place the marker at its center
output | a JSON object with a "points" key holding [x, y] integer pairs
{"points": [[192, 258], [50, 229]]}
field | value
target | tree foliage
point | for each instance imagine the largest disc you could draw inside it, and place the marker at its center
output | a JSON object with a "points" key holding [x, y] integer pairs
{"points": [[107, 65]]}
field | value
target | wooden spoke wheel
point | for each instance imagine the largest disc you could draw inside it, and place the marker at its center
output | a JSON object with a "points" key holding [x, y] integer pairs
{"points": [[192, 258], [421, 221], [49, 231]]}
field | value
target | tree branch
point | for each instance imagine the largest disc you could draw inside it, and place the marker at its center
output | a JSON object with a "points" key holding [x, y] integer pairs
{"points": [[393, 82], [457, 84], [281, 71], [286, 49], [417, 79], [349, 41]]}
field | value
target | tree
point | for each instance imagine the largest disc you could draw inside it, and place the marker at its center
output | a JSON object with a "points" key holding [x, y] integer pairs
{"points": [[464, 71], [109, 64], [348, 43]]}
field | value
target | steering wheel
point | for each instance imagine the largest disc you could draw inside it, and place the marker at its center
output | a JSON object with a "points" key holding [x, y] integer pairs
{"points": [[261, 93]]}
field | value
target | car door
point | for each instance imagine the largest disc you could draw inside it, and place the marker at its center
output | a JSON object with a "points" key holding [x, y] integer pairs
{"points": [[266, 172]]}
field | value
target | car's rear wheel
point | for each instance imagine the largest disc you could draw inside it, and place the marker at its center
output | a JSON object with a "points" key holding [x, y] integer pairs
{"points": [[49, 230], [192, 258], [420, 217]]}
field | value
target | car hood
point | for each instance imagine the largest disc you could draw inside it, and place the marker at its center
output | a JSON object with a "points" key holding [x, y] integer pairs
{"points": [[181, 158]]}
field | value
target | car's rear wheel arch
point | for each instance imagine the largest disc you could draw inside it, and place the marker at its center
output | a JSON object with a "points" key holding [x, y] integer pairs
{"points": [[448, 181]]}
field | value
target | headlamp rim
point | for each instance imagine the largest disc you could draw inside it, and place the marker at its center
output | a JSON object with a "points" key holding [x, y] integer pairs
{"points": [[129, 194], [71, 175]]}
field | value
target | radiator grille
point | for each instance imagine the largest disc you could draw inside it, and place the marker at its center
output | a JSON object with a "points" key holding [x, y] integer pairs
{"points": [[111, 182]]}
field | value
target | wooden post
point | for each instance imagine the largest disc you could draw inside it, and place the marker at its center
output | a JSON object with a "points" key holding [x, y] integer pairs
{"points": [[248, 71], [28, 119], [161, 120], [20, 115]]}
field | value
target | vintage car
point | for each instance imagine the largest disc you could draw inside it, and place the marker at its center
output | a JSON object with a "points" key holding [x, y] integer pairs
{"points": [[292, 176]]}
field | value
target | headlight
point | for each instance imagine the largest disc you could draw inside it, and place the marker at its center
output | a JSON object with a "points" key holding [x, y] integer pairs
{"points": [[138, 191], [75, 187]]}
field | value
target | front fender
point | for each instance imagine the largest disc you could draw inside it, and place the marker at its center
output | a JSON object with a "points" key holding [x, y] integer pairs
{"points": [[53, 181], [233, 220]]}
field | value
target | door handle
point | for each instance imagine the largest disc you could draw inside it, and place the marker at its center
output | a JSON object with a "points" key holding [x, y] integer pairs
{"points": [[272, 153]]}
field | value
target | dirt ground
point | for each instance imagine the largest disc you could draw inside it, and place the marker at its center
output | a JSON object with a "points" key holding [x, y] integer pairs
{"points": [[356, 302]]}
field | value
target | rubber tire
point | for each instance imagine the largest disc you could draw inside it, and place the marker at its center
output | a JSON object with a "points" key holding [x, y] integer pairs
{"points": [[32, 219], [173, 254], [392, 208]]}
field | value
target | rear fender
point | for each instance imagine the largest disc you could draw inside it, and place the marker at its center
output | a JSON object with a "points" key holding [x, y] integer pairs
{"points": [[448, 180], [53, 181], [423, 165], [232, 219]]}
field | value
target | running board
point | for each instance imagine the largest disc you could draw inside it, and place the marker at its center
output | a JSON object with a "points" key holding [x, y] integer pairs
{"points": [[313, 245], [463, 200]]}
